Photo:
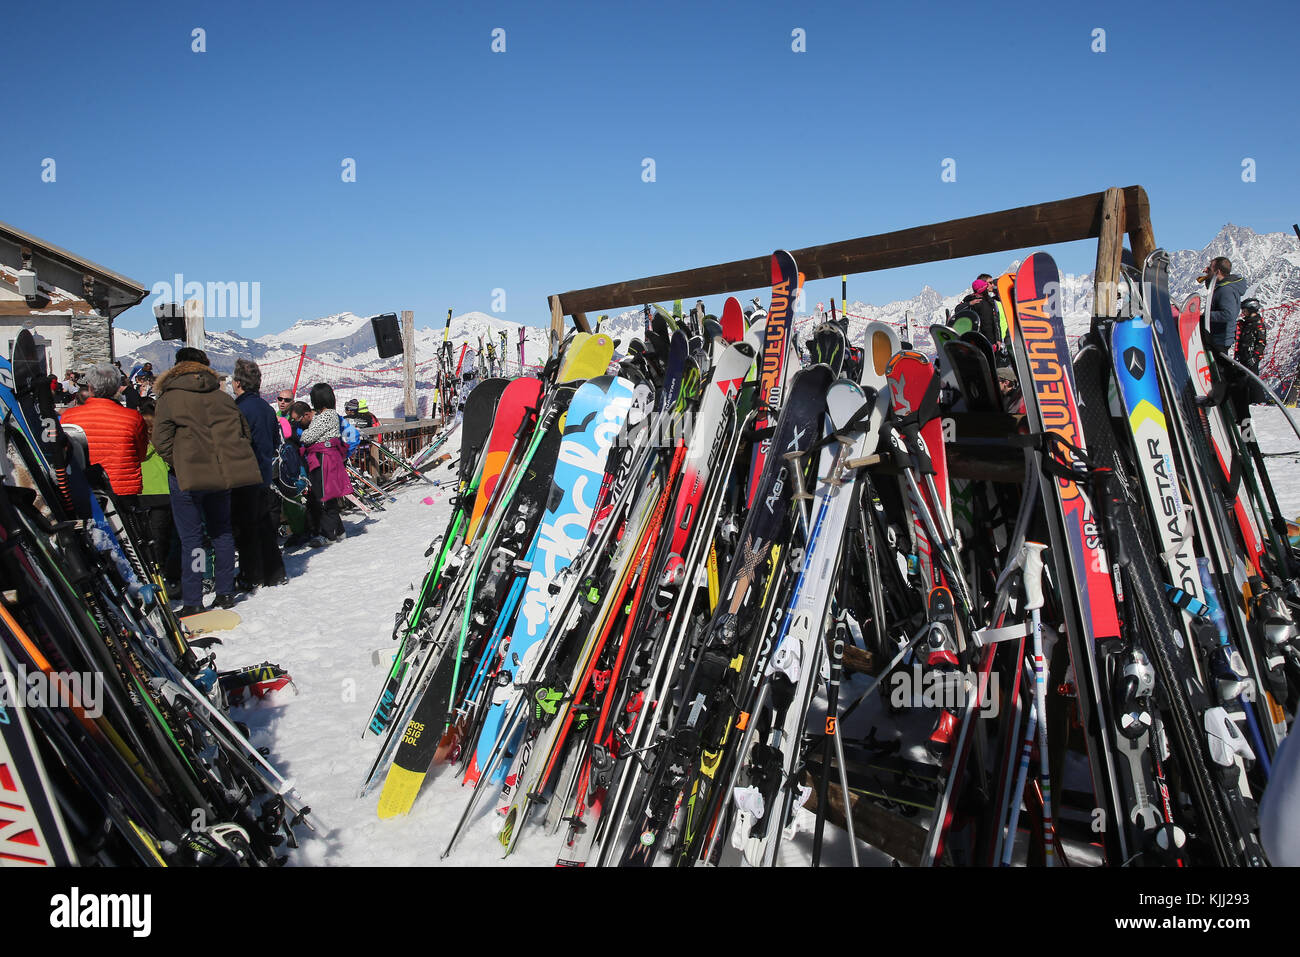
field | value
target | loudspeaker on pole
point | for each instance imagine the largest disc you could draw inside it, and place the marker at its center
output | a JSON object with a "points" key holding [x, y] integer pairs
{"points": [[388, 335], [171, 320]]}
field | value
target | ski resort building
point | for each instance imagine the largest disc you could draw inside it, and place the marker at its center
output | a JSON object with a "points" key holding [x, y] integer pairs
{"points": [[69, 303]]}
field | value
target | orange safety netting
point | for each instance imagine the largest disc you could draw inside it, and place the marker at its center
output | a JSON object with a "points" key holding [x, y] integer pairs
{"points": [[381, 389], [1282, 350]]}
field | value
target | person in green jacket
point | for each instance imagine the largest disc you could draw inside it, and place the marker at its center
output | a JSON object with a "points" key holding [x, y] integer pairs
{"points": [[155, 502]]}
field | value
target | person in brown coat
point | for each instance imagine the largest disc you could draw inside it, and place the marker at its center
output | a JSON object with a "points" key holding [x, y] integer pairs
{"points": [[204, 438]]}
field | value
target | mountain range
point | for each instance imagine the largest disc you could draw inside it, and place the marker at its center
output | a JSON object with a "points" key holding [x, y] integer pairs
{"points": [[1269, 261]]}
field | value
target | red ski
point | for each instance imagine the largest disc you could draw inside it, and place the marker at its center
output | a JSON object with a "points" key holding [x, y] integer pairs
{"points": [[732, 321], [1189, 330], [771, 373]]}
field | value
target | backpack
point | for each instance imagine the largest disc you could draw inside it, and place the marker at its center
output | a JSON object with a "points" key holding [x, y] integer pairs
{"points": [[1252, 339], [362, 420], [350, 434], [287, 469]]}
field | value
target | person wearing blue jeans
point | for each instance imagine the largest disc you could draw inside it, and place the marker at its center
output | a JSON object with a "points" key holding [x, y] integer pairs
{"points": [[207, 443], [194, 512]]}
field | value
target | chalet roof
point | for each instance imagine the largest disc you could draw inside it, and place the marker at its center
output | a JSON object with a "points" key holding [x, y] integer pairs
{"points": [[113, 292], [57, 252]]}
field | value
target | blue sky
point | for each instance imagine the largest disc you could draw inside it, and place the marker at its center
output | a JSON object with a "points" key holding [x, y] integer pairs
{"points": [[522, 170]]}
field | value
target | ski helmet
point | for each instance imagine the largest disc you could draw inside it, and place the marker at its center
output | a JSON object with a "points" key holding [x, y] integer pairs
{"points": [[351, 406], [1251, 304]]}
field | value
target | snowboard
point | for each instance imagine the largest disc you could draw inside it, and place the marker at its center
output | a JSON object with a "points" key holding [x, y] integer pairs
{"points": [[588, 356], [214, 619], [512, 411], [476, 425]]}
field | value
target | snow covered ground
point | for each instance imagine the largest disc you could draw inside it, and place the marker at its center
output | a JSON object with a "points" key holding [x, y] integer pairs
{"points": [[337, 610], [1277, 436]]}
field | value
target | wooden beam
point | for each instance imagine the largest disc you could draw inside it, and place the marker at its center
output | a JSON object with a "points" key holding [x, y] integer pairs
{"points": [[901, 838], [580, 320], [1110, 249], [1043, 224]]}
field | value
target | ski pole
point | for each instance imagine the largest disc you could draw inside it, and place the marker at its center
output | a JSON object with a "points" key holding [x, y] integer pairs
{"points": [[1033, 583], [1022, 774], [369, 484], [911, 460], [401, 461], [877, 682], [833, 738]]}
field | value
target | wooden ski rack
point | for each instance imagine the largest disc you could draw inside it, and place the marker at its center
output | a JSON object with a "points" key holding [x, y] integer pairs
{"points": [[1106, 216]]}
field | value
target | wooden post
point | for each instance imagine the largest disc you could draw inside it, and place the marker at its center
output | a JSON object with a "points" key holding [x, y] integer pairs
{"points": [[195, 337], [557, 326], [408, 366], [1141, 237], [1110, 249]]}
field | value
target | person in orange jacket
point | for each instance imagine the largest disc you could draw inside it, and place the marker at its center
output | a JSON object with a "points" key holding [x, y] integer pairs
{"points": [[116, 436]]}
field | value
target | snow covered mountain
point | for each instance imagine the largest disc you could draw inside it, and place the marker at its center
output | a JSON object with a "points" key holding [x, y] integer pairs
{"points": [[1270, 261], [312, 331], [343, 340]]}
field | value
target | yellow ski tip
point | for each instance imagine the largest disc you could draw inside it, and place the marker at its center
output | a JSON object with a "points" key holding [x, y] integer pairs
{"points": [[401, 788], [587, 357]]}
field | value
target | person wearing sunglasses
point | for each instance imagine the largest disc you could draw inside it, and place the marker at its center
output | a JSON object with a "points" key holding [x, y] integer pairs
{"points": [[283, 403], [1225, 306]]}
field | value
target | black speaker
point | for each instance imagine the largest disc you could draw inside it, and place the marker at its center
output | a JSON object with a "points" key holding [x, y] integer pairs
{"points": [[388, 335], [171, 320]]}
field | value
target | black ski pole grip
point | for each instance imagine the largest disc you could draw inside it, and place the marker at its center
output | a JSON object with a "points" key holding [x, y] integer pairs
{"points": [[895, 441], [922, 454]]}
